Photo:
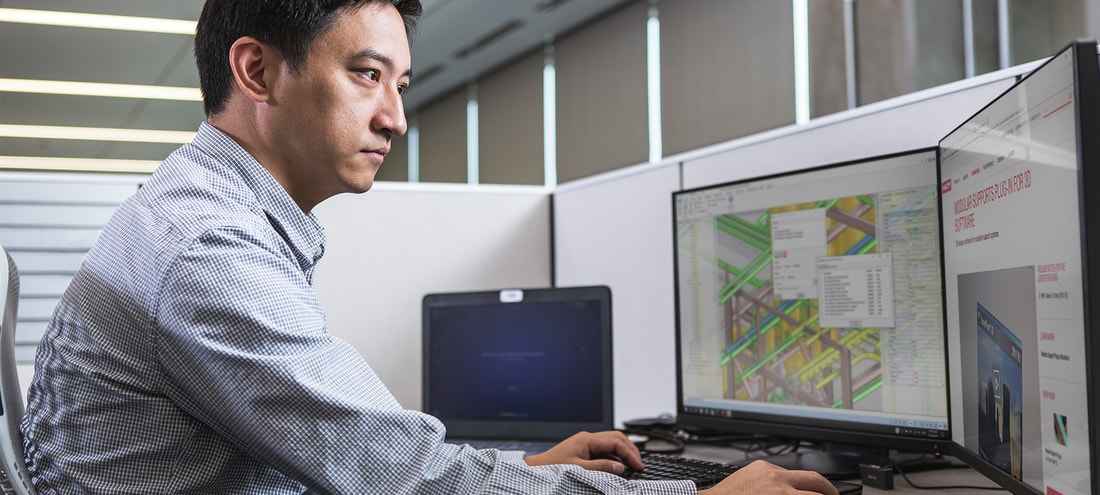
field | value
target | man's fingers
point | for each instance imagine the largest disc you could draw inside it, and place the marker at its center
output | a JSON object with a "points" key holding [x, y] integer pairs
{"points": [[605, 465]]}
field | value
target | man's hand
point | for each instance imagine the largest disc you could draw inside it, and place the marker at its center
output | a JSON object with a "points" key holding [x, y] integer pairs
{"points": [[608, 451], [763, 478]]}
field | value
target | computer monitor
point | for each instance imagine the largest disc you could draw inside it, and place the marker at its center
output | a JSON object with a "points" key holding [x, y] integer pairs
{"points": [[809, 307], [1019, 182]]}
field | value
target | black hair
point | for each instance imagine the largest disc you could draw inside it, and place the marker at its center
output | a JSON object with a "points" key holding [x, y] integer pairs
{"points": [[290, 26]]}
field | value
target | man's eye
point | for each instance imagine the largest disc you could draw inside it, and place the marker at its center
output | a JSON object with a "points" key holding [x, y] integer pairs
{"points": [[402, 88], [371, 74]]}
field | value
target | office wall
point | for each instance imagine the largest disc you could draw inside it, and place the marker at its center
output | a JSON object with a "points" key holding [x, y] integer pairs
{"points": [[912, 121], [601, 95], [390, 246], [510, 121], [727, 70], [443, 139], [616, 228]]}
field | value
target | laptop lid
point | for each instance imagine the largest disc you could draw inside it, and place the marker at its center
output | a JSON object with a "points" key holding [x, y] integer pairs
{"points": [[519, 364]]}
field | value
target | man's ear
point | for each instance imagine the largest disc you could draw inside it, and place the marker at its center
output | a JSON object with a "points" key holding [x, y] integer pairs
{"points": [[253, 64]]}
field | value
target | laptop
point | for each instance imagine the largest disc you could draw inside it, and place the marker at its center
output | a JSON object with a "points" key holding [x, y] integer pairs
{"points": [[518, 369]]}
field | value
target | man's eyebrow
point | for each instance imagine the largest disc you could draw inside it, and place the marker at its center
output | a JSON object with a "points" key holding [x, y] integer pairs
{"points": [[377, 56]]}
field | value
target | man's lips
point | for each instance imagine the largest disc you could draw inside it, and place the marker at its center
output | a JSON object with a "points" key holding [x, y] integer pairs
{"points": [[380, 152]]}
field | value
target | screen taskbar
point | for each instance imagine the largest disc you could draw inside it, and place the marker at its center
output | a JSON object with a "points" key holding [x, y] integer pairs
{"points": [[893, 424]]}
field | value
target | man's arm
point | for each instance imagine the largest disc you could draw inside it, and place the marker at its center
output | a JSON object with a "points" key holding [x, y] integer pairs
{"points": [[244, 344]]}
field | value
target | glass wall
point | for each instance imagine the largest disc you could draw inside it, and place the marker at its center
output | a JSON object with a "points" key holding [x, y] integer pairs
{"points": [[727, 69], [588, 101]]}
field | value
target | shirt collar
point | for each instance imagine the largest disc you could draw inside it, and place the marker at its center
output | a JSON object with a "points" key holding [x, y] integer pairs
{"points": [[303, 232]]}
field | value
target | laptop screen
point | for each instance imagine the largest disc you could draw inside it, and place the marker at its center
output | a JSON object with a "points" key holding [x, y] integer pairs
{"points": [[523, 364]]}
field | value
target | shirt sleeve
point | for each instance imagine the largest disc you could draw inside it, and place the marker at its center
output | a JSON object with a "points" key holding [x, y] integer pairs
{"points": [[244, 347]]}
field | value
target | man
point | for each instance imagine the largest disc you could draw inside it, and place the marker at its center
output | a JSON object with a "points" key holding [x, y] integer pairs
{"points": [[190, 354]]}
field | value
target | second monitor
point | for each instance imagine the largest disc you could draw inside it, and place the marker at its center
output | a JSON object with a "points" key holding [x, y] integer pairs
{"points": [[1020, 253]]}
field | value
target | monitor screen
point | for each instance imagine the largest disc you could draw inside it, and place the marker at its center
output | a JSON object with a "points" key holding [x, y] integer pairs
{"points": [[519, 363], [809, 306], [1014, 184]]}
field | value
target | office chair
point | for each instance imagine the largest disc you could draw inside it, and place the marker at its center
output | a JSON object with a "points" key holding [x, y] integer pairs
{"points": [[14, 477]]}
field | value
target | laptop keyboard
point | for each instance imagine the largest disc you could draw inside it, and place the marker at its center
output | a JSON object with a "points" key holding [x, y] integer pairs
{"points": [[703, 473]]}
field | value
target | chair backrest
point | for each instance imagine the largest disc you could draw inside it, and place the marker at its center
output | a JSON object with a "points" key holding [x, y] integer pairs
{"points": [[13, 473]]}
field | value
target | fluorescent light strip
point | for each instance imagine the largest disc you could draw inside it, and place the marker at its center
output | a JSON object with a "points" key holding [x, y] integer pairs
{"points": [[653, 83], [968, 38], [95, 134], [1004, 36], [549, 123], [77, 164], [472, 166], [98, 21], [414, 154], [111, 90], [801, 62], [851, 84]]}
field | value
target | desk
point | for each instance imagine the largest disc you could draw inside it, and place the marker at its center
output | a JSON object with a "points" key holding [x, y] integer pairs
{"points": [[939, 477]]}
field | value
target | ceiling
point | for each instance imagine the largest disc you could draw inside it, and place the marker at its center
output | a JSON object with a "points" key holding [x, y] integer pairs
{"points": [[457, 41]]}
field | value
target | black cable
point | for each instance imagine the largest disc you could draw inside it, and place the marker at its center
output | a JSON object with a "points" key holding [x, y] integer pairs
{"points": [[670, 436], [784, 446], [897, 467]]}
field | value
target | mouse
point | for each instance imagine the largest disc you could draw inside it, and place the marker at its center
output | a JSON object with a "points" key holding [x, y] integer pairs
{"points": [[662, 420]]}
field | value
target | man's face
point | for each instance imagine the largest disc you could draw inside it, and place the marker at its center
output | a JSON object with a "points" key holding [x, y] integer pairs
{"points": [[331, 123]]}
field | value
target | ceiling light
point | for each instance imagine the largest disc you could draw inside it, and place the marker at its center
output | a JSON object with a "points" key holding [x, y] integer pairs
{"points": [[77, 164], [488, 38], [95, 134], [98, 21], [100, 89], [548, 5]]}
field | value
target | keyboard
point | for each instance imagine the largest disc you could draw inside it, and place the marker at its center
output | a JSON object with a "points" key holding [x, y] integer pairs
{"points": [[703, 473]]}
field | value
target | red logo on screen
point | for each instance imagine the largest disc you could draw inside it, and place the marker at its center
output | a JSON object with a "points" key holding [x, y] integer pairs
{"points": [[945, 186], [1051, 491]]}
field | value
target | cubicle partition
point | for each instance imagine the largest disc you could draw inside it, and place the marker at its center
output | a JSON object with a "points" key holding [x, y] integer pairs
{"points": [[616, 229]]}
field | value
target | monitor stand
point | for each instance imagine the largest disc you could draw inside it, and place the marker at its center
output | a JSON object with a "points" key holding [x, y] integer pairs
{"points": [[833, 461]]}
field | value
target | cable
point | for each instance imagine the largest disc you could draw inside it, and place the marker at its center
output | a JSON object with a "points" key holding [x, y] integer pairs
{"points": [[767, 446], [670, 436], [897, 467]]}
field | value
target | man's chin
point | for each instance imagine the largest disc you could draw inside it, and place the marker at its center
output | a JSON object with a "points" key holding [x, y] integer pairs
{"points": [[360, 188], [360, 184]]}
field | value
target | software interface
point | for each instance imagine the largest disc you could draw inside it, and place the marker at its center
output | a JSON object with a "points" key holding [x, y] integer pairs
{"points": [[1012, 260], [816, 295]]}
